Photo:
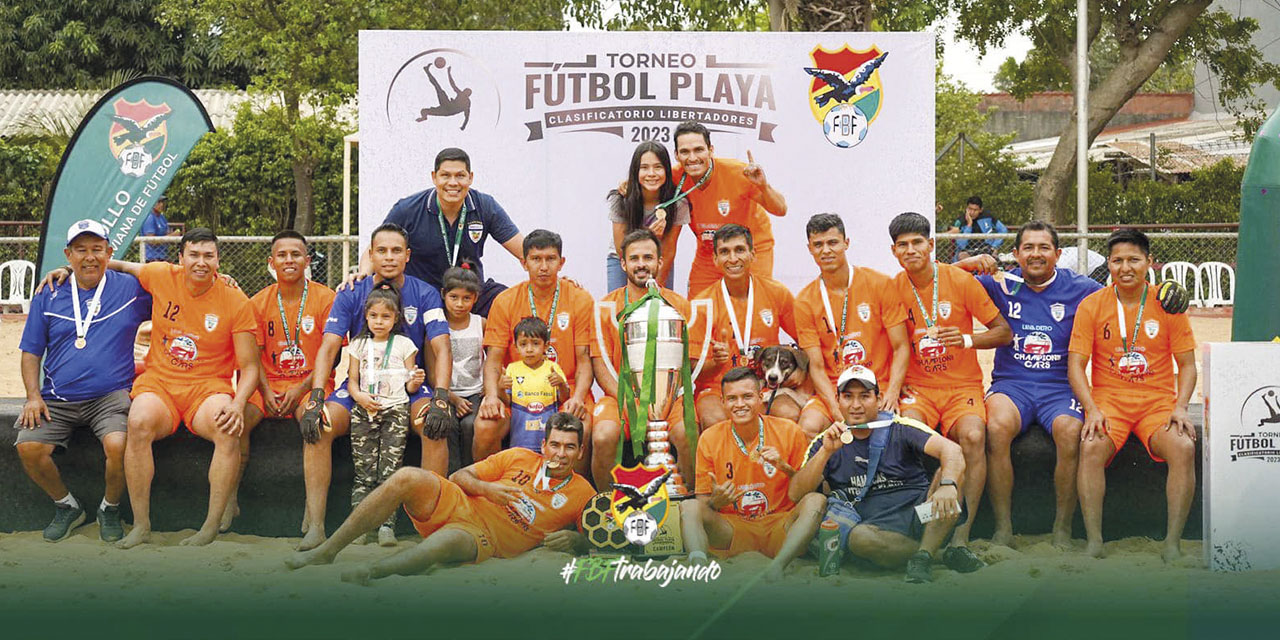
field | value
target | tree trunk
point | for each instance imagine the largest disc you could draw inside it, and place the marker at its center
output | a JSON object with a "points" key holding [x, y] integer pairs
{"points": [[1138, 61], [303, 166], [829, 15]]}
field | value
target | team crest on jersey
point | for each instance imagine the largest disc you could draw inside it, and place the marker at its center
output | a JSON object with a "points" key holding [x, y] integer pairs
{"points": [[410, 315], [558, 500], [562, 320], [864, 311], [92, 306], [1151, 328], [1058, 311], [944, 309], [723, 207], [475, 229], [308, 324], [210, 321], [519, 379], [769, 469], [552, 355], [766, 316]]}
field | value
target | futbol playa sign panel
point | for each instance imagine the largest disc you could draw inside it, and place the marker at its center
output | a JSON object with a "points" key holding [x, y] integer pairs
{"points": [[840, 123]]}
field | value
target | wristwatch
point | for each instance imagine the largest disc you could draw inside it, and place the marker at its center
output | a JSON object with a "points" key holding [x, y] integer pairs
{"points": [[949, 483]]}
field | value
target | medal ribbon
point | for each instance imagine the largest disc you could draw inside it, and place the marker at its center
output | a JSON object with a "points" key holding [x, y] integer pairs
{"points": [[1124, 339], [456, 253], [742, 446], [555, 301], [284, 322], [929, 319], [544, 478], [738, 335], [82, 326], [831, 318], [681, 195]]}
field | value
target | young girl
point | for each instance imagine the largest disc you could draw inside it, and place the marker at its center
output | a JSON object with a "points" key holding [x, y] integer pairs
{"points": [[381, 375], [635, 204], [461, 288]]}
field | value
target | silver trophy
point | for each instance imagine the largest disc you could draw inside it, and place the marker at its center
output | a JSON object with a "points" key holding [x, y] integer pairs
{"points": [[669, 358]]}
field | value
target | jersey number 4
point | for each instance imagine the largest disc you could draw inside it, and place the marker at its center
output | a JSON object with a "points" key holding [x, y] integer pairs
{"points": [[171, 311]]}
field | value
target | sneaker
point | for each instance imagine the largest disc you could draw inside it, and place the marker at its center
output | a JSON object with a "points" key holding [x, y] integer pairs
{"points": [[386, 536], [109, 527], [920, 567], [962, 559], [64, 520]]}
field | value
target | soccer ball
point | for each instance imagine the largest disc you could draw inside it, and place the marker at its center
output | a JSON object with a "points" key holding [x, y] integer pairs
{"points": [[598, 525], [845, 126], [440, 62]]}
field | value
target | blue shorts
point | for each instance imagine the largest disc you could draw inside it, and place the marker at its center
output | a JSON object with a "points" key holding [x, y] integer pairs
{"points": [[342, 397], [1039, 404]]}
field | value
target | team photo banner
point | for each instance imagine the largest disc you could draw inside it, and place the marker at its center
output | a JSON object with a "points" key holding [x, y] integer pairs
{"points": [[120, 160], [840, 123]]}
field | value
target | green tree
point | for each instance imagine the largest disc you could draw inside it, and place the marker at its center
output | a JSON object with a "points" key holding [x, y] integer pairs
{"points": [[1147, 33], [81, 43]]}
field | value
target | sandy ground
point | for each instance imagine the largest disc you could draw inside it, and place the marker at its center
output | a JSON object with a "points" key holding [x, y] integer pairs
{"points": [[1207, 329]]}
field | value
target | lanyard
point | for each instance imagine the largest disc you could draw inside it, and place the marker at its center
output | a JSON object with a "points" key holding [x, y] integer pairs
{"points": [[742, 446], [284, 322], [929, 319], [386, 358], [681, 195], [544, 478], [82, 326], [733, 316], [456, 253], [1137, 324], [555, 301], [826, 304]]}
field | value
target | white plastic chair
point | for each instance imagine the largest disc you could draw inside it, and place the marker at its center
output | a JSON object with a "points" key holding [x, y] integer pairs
{"points": [[22, 278], [1178, 272], [1213, 292]]}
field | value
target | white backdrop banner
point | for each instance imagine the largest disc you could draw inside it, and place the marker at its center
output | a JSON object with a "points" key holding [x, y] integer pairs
{"points": [[551, 119]]}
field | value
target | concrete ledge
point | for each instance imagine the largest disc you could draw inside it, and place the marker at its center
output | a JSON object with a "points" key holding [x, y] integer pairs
{"points": [[271, 493]]}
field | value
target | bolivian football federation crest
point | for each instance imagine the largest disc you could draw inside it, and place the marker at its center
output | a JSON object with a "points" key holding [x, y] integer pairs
{"points": [[640, 502], [138, 134], [846, 92]]}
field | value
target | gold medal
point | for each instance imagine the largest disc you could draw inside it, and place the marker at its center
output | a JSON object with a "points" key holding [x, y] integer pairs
{"points": [[932, 332], [755, 456], [80, 343], [846, 437]]}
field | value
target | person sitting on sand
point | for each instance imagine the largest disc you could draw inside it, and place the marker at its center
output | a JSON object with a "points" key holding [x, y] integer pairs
{"points": [[501, 506], [883, 526]]}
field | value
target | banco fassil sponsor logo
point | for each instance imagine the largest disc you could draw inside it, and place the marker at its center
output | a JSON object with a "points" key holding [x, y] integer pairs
{"points": [[846, 92], [640, 96], [443, 89], [1258, 437], [138, 134]]}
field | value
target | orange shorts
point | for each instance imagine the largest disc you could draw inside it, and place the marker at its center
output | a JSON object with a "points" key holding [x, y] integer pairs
{"points": [[182, 399], [942, 408], [607, 411], [453, 511], [816, 404], [764, 534], [703, 275], [1140, 416], [281, 385]]}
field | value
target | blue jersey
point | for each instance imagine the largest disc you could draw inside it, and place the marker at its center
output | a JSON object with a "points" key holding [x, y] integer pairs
{"points": [[105, 364], [1041, 323], [901, 463], [155, 225], [419, 214], [423, 313]]}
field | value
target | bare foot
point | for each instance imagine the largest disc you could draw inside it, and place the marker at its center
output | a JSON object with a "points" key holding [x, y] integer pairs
{"points": [[306, 521], [228, 515], [201, 538], [313, 538], [1003, 537], [361, 575], [1095, 549], [137, 536], [306, 558], [1062, 540], [1171, 553]]}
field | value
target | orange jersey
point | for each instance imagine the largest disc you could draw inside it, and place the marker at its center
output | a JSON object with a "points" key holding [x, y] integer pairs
{"points": [[605, 329], [191, 335], [872, 307], [774, 310], [570, 324], [548, 507], [274, 334], [960, 300], [719, 457], [728, 197], [1148, 373]]}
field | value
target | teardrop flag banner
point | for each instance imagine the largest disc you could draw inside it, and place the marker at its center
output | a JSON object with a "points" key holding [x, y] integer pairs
{"points": [[120, 160]]}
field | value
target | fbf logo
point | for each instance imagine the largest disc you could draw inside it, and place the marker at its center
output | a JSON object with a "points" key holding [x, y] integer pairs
{"points": [[846, 92], [138, 134]]}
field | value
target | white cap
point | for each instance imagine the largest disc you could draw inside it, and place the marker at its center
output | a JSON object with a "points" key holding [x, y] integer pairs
{"points": [[860, 374], [89, 226]]}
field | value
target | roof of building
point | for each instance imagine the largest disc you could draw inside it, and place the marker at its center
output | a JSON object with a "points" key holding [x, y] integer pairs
{"points": [[1181, 145]]}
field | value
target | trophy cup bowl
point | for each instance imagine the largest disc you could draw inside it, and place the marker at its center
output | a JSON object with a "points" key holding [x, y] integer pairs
{"points": [[669, 357]]}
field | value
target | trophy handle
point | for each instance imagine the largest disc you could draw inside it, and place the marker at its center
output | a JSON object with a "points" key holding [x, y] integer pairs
{"points": [[612, 308], [693, 318]]}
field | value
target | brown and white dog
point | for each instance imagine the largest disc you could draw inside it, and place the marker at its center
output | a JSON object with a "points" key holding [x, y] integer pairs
{"points": [[785, 371]]}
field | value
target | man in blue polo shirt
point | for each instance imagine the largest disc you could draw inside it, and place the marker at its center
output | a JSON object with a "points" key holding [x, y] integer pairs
{"points": [[425, 324], [156, 225], [90, 319], [449, 224]]}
